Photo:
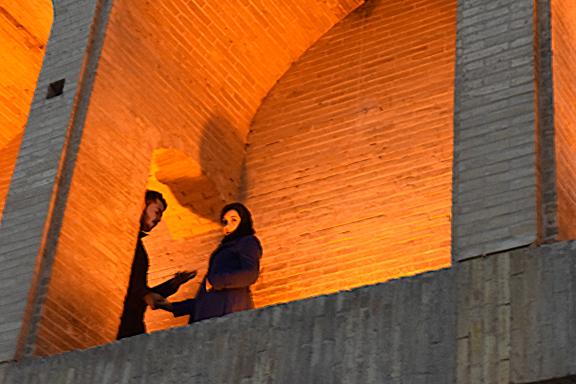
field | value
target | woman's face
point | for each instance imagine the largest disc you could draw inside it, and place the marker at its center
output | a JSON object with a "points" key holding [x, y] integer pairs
{"points": [[230, 222]]}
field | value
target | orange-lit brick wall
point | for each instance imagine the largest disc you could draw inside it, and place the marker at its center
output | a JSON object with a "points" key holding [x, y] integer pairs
{"points": [[178, 77], [564, 75], [8, 154], [350, 156], [24, 30]]}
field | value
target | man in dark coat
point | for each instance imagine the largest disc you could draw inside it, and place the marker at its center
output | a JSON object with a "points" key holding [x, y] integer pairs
{"points": [[139, 295], [233, 267]]}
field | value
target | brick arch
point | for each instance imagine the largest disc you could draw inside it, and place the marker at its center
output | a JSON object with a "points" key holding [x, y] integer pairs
{"points": [[185, 75], [24, 30]]}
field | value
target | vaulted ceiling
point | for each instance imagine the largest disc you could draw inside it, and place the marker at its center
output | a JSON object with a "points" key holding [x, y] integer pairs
{"points": [[221, 57]]}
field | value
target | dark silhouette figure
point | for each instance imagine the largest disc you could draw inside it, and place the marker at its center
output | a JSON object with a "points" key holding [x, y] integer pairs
{"points": [[234, 266], [139, 295]]}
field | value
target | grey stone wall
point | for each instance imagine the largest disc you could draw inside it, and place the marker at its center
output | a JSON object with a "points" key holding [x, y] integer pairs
{"points": [[516, 316], [499, 319], [564, 380], [505, 318], [397, 332], [483, 321], [30, 200], [495, 183], [543, 318], [545, 131]]}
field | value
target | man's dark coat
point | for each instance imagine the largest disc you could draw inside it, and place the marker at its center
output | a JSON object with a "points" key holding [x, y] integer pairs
{"points": [[132, 320]]}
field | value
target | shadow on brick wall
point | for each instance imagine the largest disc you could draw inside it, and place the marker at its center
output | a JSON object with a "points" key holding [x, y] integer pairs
{"points": [[204, 185]]}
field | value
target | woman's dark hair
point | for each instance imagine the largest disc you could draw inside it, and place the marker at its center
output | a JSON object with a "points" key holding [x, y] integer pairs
{"points": [[153, 196], [246, 226]]}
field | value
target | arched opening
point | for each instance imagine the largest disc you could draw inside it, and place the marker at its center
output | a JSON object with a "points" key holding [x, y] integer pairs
{"points": [[24, 30], [348, 169], [182, 75]]}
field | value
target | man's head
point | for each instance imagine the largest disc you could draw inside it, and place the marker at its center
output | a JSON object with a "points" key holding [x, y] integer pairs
{"points": [[152, 213]]}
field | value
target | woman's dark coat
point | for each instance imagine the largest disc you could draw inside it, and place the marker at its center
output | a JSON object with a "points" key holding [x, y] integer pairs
{"points": [[233, 267]]}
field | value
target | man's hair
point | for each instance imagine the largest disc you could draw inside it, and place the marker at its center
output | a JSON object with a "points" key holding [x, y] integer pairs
{"points": [[155, 195]]}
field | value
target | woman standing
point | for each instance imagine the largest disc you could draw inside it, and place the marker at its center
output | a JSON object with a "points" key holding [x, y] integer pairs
{"points": [[233, 267]]}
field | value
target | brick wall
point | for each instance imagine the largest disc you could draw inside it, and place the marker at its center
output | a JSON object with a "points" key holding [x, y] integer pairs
{"points": [[24, 30], [545, 132], [564, 75], [8, 155], [175, 75], [30, 201], [350, 156], [495, 185], [514, 310]]}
